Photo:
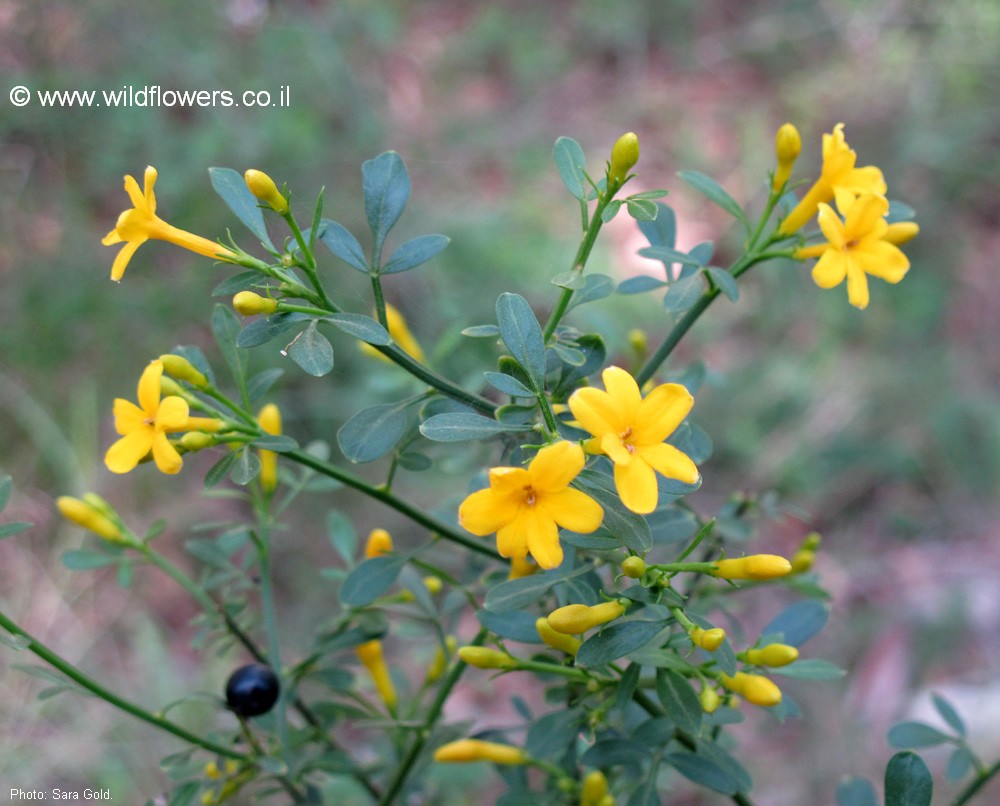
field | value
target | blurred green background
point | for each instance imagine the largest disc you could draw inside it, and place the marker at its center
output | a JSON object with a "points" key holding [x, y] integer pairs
{"points": [[882, 426]]}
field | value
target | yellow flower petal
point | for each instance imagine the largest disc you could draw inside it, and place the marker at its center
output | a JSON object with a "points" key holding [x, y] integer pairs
{"points": [[149, 387], [636, 485], [172, 415], [128, 416], [662, 410], [866, 217], [485, 511], [573, 510], [124, 256], [831, 269], [832, 226], [555, 466], [509, 479], [127, 452], [624, 391], [542, 536], [857, 284], [885, 261], [512, 540], [596, 411], [167, 459], [669, 461], [139, 200], [611, 446]]}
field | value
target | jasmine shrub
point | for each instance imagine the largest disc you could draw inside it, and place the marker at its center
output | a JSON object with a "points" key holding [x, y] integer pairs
{"points": [[574, 550]]}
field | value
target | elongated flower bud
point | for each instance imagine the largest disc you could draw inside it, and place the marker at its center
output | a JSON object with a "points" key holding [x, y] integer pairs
{"points": [[709, 640], [197, 441], [787, 146], [521, 567], [710, 699], [772, 655], [901, 232], [248, 303], [370, 654], [379, 543], [441, 657], [557, 640], [754, 688], [177, 366], [624, 156], [89, 517], [263, 187], [465, 750], [594, 789], [576, 618], [485, 658], [755, 567], [269, 419]]}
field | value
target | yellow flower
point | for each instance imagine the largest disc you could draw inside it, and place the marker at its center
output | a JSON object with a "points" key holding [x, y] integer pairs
{"points": [[856, 247], [477, 750], [401, 335], [526, 506], [556, 639], [262, 186], [631, 430], [755, 566], [379, 543], [787, 145], [144, 428], [85, 514], [709, 640], [370, 654], [772, 655], [269, 419], [574, 619], [838, 172], [755, 689], [485, 658], [594, 789], [624, 156], [140, 223]]}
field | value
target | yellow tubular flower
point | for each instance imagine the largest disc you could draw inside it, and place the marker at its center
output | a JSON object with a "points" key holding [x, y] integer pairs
{"points": [[526, 506], [485, 658], [754, 688], [755, 567], [379, 543], [631, 430], [89, 517], [269, 419], [787, 145], [624, 156], [709, 640], [140, 223], [594, 789], [247, 303], [855, 247], [370, 654], [838, 172], [772, 655], [555, 639], [521, 567], [401, 335], [144, 428], [477, 750], [262, 186], [577, 618]]}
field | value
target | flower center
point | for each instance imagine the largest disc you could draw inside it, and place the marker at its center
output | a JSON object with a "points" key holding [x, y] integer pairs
{"points": [[625, 436], [530, 497]]}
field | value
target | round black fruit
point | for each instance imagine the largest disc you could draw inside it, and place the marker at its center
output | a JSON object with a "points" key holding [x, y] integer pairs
{"points": [[252, 690]]}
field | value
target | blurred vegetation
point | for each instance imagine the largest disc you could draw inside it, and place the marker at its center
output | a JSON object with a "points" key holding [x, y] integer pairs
{"points": [[883, 425]]}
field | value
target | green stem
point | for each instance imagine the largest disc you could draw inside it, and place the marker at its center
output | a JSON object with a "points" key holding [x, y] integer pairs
{"points": [[379, 301], [122, 704], [431, 378], [975, 785], [425, 729], [413, 513], [308, 259]]}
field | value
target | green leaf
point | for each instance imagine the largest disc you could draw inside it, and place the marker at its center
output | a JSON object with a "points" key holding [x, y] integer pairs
{"points": [[573, 280], [507, 384], [414, 253], [481, 331], [715, 193], [342, 536], [629, 529], [611, 210], [515, 594], [811, 669], [703, 771], [246, 467], [662, 231], [13, 528], [343, 244], [569, 355], [226, 329], [908, 782], [550, 736], [572, 165], [86, 560], [185, 794], [261, 383], [516, 625], [725, 281], [619, 751], [414, 461], [233, 190], [243, 281], [668, 256], [460, 426], [641, 209], [312, 351], [370, 580], [899, 212], [639, 285], [278, 443], [948, 713], [856, 792], [373, 432], [361, 327], [218, 471], [6, 487], [617, 640], [798, 622], [679, 700], [387, 189], [16, 642], [261, 331], [684, 294], [595, 286], [522, 334], [916, 734], [960, 762]]}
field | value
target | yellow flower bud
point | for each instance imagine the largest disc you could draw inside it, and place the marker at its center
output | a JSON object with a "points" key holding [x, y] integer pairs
{"points": [[772, 655], [168, 387], [633, 567], [638, 342], [441, 656], [212, 770], [595, 787], [624, 155], [263, 187], [710, 699], [754, 566], [196, 441], [802, 561], [576, 618], [754, 688], [901, 232], [269, 419], [209, 798], [177, 366], [401, 335], [232, 766], [787, 146], [521, 567], [248, 303], [379, 543], [370, 654], [433, 585], [557, 640], [709, 640], [485, 658], [477, 750], [89, 517], [607, 800]]}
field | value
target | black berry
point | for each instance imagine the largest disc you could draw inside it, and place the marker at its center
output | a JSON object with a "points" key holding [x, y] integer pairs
{"points": [[252, 690]]}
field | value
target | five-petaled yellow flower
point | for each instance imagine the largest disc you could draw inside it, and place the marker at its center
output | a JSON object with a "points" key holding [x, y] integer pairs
{"points": [[838, 172], [526, 506], [630, 430], [144, 428], [862, 244], [139, 224]]}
